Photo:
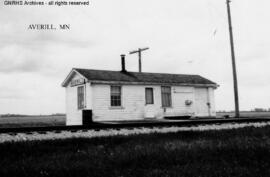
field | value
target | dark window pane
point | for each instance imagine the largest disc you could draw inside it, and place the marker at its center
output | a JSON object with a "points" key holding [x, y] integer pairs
{"points": [[115, 96], [149, 97], [166, 96], [80, 97]]}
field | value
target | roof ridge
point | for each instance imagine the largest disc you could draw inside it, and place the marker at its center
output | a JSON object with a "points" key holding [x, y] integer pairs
{"points": [[143, 77], [136, 72]]}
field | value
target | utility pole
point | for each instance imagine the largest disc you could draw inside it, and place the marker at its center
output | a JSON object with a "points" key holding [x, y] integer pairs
{"points": [[139, 51], [237, 114]]}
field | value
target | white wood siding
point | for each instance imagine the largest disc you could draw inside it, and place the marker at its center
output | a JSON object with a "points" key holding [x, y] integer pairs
{"points": [[203, 96], [73, 115], [179, 96], [133, 103], [212, 102]]}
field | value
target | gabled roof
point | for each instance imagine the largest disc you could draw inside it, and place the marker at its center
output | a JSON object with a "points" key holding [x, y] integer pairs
{"points": [[105, 76]]}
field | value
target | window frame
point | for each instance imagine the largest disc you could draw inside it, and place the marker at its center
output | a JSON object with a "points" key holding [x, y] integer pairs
{"points": [[162, 97], [152, 95], [81, 95], [115, 100]]}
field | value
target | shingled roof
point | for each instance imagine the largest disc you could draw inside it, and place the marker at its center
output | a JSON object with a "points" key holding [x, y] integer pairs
{"points": [[104, 76]]}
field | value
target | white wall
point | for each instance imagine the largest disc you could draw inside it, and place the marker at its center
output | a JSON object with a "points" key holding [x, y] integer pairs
{"points": [[73, 114], [133, 103], [97, 98], [202, 97], [211, 93], [179, 96]]}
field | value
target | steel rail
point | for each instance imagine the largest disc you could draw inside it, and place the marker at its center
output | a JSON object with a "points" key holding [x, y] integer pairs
{"points": [[130, 124]]}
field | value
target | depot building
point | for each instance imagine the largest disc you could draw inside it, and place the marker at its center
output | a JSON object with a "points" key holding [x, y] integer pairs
{"points": [[102, 95]]}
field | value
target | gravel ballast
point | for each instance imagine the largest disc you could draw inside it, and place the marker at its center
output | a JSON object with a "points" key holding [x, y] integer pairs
{"points": [[52, 135]]}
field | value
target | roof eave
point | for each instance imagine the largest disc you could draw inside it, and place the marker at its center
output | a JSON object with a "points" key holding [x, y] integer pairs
{"points": [[66, 81], [153, 83]]}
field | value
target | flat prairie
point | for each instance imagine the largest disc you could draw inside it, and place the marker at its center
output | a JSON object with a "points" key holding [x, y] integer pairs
{"points": [[242, 152], [32, 121], [246, 114]]}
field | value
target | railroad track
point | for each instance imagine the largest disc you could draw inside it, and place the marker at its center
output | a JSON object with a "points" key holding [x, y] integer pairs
{"points": [[128, 125], [106, 129]]}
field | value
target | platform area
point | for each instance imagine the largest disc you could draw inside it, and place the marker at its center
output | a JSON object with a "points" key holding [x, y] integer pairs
{"points": [[182, 121]]}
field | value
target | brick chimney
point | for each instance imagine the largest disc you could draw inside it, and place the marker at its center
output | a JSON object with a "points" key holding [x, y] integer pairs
{"points": [[123, 63]]}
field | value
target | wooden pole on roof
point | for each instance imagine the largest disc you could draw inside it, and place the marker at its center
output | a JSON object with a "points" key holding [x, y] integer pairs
{"points": [[139, 51], [237, 113]]}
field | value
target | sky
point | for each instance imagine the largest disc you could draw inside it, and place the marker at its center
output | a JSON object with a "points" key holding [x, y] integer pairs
{"points": [[184, 37]]}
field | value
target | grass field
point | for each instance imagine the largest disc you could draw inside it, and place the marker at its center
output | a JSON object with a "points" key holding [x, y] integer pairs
{"points": [[241, 152], [245, 114], [32, 121]]}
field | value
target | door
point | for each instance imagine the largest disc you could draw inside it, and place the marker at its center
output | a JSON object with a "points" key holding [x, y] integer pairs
{"points": [[202, 105], [87, 117], [149, 109]]}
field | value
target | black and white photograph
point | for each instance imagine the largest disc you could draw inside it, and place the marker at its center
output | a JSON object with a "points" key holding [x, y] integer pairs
{"points": [[134, 88]]}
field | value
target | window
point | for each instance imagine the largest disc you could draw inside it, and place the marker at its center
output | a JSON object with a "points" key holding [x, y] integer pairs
{"points": [[80, 95], [166, 97], [115, 95], [149, 96]]}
